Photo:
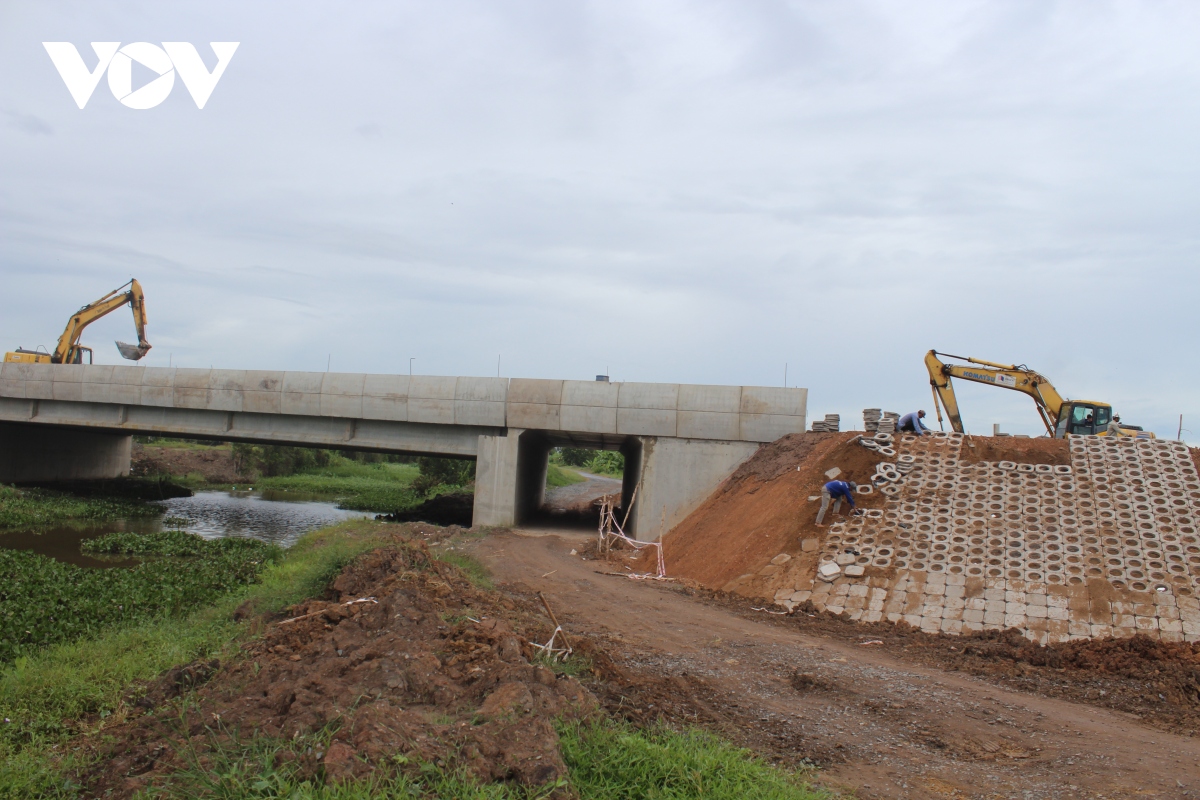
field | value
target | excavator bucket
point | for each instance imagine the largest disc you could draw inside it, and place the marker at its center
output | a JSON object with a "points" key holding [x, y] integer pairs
{"points": [[133, 352]]}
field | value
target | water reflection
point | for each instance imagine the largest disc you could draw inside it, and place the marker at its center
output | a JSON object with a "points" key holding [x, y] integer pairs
{"points": [[210, 514], [217, 514]]}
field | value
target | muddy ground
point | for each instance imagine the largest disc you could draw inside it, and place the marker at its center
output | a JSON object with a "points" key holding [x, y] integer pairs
{"points": [[404, 659], [887, 712], [215, 464]]}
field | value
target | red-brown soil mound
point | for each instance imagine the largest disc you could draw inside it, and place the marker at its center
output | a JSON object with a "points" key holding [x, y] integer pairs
{"points": [[763, 509], [424, 667]]}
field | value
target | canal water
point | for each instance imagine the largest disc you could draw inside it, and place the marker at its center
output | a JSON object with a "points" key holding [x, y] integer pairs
{"points": [[210, 514]]}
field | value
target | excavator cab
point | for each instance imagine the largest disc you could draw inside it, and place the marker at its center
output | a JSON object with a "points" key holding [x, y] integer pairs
{"points": [[1082, 418]]}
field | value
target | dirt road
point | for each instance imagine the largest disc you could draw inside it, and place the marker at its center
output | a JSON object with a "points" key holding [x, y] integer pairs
{"points": [[877, 725], [578, 497]]}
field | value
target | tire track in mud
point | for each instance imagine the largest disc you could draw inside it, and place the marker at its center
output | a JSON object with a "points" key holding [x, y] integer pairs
{"points": [[877, 724]]}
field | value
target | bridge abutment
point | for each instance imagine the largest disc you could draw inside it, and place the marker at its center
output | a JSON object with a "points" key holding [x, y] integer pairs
{"points": [[37, 453], [674, 476]]}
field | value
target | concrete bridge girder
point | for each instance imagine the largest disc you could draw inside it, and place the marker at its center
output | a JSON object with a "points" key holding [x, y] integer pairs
{"points": [[680, 440]]}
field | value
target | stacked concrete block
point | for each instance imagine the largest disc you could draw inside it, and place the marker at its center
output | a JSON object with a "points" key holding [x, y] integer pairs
{"points": [[876, 420], [831, 424], [1106, 545]]}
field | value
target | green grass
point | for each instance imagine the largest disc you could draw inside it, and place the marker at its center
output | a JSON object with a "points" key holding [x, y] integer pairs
{"points": [[44, 697], [25, 509], [562, 476], [474, 569], [380, 487], [612, 761], [607, 760]]}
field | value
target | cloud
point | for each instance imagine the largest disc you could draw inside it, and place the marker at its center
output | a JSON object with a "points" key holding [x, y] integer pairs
{"points": [[27, 123], [696, 190]]}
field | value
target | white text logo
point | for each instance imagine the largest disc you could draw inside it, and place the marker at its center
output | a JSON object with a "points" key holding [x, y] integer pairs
{"points": [[172, 57]]}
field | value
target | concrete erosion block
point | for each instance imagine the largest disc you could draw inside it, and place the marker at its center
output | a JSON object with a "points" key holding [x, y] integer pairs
{"points": [[829, 570], [809, 545], [781, 559], [855, 571]]}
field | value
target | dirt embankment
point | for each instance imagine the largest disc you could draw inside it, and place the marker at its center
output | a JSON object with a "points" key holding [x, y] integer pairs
{"points": [[403, 656], [1021, 451], [215, 464], [763, 509]]}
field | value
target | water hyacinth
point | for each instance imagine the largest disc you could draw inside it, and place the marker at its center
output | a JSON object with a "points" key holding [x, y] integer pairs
{"points": [[43, 601]]}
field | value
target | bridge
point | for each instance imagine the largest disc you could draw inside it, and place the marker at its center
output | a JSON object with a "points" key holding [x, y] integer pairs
{"points": [[76, 422]]}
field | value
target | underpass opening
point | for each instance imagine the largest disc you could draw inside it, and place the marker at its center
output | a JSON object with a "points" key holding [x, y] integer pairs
{"points": [[572, 476]]}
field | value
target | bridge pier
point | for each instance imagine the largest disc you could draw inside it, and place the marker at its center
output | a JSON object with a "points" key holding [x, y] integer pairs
{"points": [[37, 453]]}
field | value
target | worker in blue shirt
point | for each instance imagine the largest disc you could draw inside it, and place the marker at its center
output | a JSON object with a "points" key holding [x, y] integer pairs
{"points": [[836, 491], [911, 423]]}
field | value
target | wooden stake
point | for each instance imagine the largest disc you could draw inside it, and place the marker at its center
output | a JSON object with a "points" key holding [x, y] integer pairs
{"points": [[554, 619]]}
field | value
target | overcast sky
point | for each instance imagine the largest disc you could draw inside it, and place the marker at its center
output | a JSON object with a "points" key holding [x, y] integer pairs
{"points": [[695, 192]]}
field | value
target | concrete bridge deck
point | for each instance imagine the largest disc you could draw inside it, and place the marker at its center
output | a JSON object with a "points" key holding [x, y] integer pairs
{"points": [[680, 440]]}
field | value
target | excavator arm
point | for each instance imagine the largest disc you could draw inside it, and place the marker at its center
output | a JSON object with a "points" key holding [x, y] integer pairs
{"points": [[69, 351], [1019, 378]]}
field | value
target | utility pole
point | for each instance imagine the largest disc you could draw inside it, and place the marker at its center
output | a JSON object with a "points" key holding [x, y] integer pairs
{"points": [[410, 365]]}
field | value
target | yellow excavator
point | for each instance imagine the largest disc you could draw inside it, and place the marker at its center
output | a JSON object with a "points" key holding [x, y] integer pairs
{"points": [[70, 351], [1061, 417]]}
